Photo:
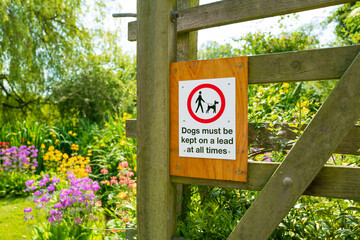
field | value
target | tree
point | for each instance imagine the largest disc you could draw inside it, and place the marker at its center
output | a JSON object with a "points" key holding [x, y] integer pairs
{"points": [[347, 18], [36, 37], [103, 83], [52, 65]]}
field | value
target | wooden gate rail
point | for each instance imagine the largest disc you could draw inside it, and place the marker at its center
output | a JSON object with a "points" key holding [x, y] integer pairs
{"points": [[262, 137], [235, 11], [331, 182]]}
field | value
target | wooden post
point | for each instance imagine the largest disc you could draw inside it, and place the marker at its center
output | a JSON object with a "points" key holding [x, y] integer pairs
{"points": [[156, 48], [330, 125]]}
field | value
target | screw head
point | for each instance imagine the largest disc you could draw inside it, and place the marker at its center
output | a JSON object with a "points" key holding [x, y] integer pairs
{"points": [[240, 65], [288, 182], [238, 171]]}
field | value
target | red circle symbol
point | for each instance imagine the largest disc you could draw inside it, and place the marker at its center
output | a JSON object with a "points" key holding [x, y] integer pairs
{"points": [[222, 99]]}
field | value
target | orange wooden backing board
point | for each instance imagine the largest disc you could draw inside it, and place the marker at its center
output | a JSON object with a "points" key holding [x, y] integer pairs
{"points": [[233, 170]]}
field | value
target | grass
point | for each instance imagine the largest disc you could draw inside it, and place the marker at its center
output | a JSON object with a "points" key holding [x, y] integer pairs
{"points": [[12, 224]]}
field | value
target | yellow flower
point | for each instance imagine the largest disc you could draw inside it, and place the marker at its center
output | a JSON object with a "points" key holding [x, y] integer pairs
{"points": [[285, 85], [122, 195], [122, 143], [74, 134], [42, 146], [14, 134], [134, 156], [102, 145], [28, 143], [96, 138], [70, 132], [106, 124], [57, 141], [51, 148], [65, 156]]}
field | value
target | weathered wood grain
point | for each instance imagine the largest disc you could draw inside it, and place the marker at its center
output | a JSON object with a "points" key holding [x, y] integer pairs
{"points": [[332, 181], [308, 65], [330, 125], [259, 136], [186, 51], [234, 11], [156, 48]]}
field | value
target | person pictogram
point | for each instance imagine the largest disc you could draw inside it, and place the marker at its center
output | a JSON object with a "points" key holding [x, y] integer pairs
{"points": [[198, 101]]}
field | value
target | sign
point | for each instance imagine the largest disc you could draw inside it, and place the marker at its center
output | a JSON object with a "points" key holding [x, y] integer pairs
{"points": [[207, 118]]}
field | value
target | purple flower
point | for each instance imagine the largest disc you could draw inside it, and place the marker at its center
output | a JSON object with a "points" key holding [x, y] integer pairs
{"points": [[37, 193], [46, 176], [58, 205], [51, 188], [95, 186], [71, 176], [55, 180], [27, 210], [42, 183], [29, 182]]}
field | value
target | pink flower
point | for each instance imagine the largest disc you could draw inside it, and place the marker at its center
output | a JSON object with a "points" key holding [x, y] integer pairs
{"points": [[113, 180], [88, 169], [123, 164], [104, 171]]}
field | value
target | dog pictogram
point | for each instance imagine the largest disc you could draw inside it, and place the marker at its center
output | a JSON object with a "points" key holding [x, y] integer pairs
{"points": [[212, 106]]}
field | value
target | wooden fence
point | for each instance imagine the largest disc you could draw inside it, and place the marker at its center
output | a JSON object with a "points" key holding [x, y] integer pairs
{"points": [[164, 36]]}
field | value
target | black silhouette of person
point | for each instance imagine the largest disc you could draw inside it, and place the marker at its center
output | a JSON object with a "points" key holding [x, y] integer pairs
{"points": [[198, 101]]}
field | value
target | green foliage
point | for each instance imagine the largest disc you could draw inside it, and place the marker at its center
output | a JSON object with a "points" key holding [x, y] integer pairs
{"points": [[347, 18], [12, 184], [98, 84], [213, 212], [320, 218], [261, 43]]}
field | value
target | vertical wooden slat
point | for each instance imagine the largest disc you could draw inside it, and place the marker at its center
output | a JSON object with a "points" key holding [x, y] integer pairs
{"points": [[186, 51], [330, 125], [156, 48]]}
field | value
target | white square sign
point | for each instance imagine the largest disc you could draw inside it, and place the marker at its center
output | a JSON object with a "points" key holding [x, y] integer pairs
{"points": [[207, 119]]}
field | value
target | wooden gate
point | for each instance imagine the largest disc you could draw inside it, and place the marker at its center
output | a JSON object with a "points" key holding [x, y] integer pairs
{"points": [[166, 32]]}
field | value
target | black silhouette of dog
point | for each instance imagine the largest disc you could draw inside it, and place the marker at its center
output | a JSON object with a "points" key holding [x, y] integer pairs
{"points": [[212, 106]]}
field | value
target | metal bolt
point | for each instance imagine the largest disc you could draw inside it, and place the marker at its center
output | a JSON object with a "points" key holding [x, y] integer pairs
{"points": [[238, 172], [288, 182], [175, 70], [240, 65], [174, 15], [177, 166]]}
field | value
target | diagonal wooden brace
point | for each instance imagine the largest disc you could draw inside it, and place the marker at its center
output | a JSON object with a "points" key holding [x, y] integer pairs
{"points": [[329, 126]]}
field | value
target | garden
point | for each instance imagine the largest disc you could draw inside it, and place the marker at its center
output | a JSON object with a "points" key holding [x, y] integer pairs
{"points": [[67, 168], [75, 181]]}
